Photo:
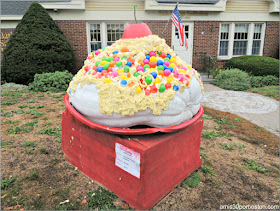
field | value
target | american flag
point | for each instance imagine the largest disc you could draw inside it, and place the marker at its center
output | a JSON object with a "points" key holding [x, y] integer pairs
{"points": [[176, 19]]}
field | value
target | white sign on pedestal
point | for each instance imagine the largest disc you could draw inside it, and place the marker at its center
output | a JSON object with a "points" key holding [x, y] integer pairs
{"points": [[128, 160]]}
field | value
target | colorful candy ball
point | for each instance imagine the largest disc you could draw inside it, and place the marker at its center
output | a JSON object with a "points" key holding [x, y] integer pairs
{"points": [[175, 88], [99, 69], [106, 66], [97, 52], [159, 62], [167, 72], [154, 74], [152, 53], [162, 88], [148, 80], [139, 68], [146, 61], [129, 63], [124, 82]]}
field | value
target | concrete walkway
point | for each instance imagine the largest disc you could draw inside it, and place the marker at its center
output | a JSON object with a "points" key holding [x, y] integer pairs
{"points": [[262, 111]]}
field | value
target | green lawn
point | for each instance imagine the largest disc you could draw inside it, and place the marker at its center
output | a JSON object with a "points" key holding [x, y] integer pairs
{"points": [[269, 91]]}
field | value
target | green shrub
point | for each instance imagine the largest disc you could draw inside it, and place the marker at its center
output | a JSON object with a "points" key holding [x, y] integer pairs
{"points": [[37, 45], [51, 82], [260, 81], [255, 65], [233, 79], [216, 71]]}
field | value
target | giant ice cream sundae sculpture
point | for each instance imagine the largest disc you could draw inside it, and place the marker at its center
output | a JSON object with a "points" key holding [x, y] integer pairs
{"points": [[137, 81]]}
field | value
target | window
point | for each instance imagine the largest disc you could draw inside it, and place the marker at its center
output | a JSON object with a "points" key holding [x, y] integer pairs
{"points": [[237, 39], [114, 32], [224, 40], [257, 39], [95, 37], [186, 31], [104, 34], [240, 39]]}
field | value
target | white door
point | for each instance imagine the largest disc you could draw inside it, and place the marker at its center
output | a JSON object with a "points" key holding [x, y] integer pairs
{"points": [[181, 51]]}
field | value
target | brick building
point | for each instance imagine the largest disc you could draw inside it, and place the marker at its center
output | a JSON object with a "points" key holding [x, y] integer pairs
{"points": [[219, 28]]}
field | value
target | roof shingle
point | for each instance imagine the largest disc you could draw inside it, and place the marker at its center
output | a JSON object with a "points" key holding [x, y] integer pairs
{"points": [[17, 8]]}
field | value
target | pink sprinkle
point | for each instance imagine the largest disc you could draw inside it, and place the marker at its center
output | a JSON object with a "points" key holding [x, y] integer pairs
{"points": [[167, 72], [114, 74], [152, 53], [97, 52], [193, 71], [184, 68], [166, 63], [181, 77], [94, 73], [98, 76], [146, 61], [139, 68], [201, 79], [89, 57], [117, 59]]}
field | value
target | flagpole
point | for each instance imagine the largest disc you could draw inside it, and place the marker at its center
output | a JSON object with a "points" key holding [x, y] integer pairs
{"points": [[169, 19]]}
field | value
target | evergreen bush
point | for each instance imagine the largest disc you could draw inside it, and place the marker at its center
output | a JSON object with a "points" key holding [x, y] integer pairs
{"points": [[255, 65], [233, 79], [37, 45], [51, 82], [260, 81]]}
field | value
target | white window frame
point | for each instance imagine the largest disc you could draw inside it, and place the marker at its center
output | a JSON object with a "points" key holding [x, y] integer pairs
{"points": [[250, 38], [103, 32]]}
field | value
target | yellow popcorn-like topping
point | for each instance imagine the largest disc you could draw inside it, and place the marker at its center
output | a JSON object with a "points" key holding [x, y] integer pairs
{"points": [[134, 75]]}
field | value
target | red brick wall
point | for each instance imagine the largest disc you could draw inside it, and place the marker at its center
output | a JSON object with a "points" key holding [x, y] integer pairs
{"points": [[75, 31], [158, 26], [205, 40], [271, 41]]}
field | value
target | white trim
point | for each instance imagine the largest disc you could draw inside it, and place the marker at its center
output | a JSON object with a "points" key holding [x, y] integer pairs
{"points": [[153, 5], [103, 34], [72, 5], [262, 38], [274, 6], [153, 15], [250, 38], [88, 37]]}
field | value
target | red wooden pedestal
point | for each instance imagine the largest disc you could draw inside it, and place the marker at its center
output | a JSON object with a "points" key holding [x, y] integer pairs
{"points": [[166, 159]]}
